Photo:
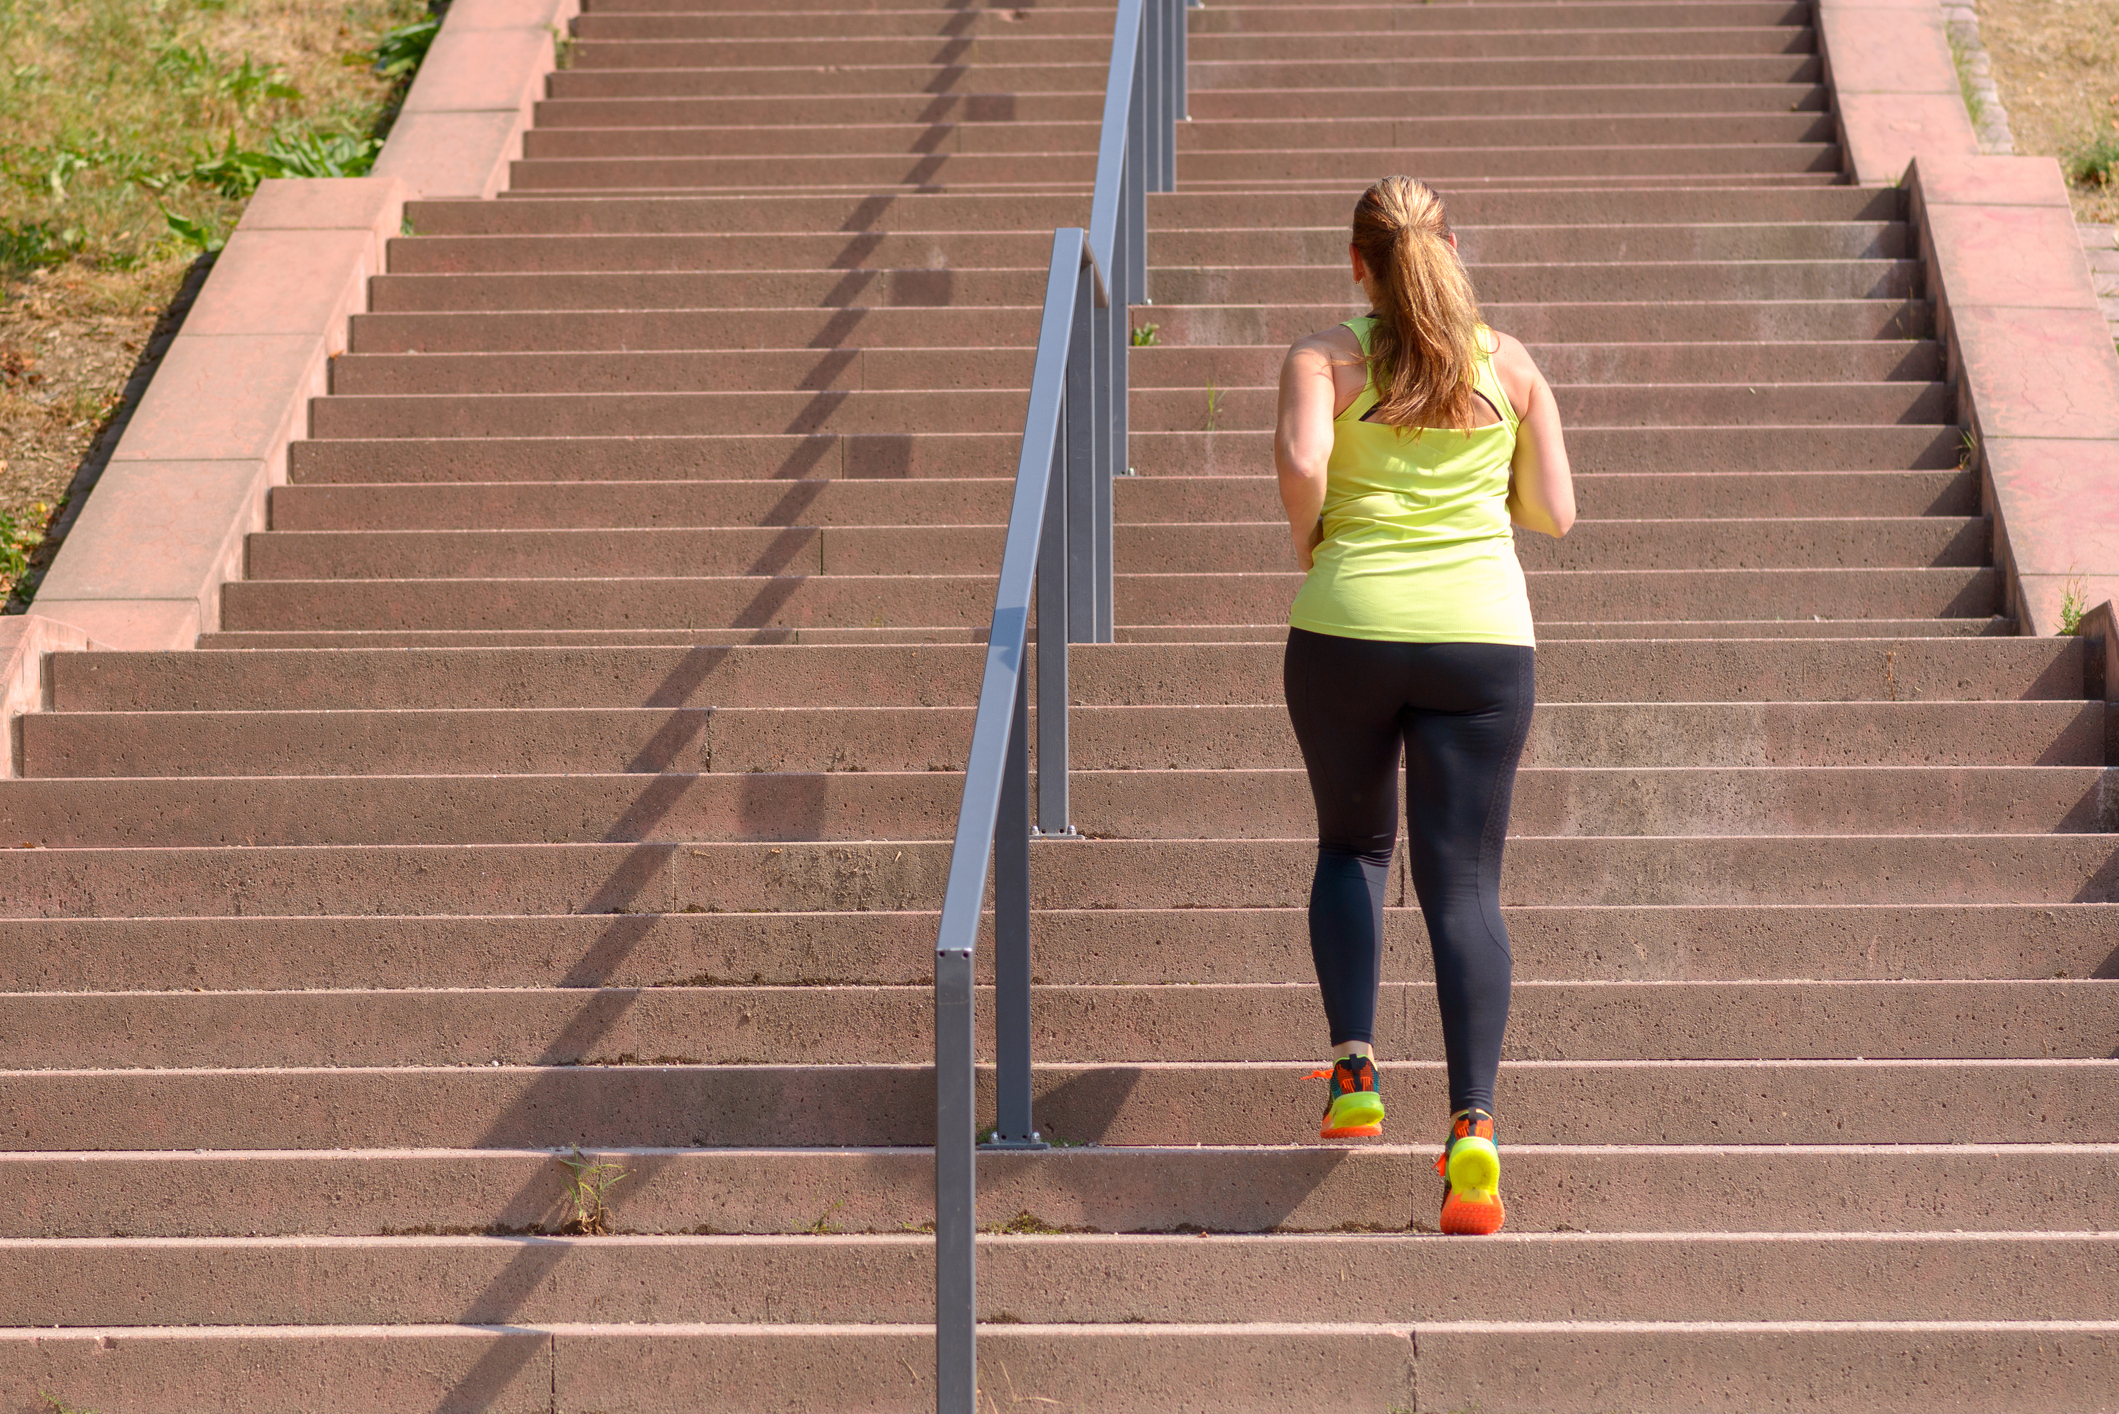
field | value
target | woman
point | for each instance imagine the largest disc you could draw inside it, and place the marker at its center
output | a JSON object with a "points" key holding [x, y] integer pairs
{"points": [[1408, 442]]}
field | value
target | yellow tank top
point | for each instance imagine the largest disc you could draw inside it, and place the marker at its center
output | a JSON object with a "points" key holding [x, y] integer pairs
{"points": [[1417, 545]]}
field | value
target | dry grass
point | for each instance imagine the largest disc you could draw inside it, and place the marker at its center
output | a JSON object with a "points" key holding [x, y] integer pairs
{"points": [[112, 116], [2056, 66]]}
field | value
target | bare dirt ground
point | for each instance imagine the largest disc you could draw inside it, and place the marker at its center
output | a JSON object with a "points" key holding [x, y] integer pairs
{"points": [[61, 371], [2056, 65]]}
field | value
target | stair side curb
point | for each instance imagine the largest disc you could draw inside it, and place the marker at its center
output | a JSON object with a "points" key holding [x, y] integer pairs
{"points": [[2036, 372]]}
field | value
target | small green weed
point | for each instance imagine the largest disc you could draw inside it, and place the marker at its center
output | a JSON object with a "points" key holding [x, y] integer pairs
{"points": [[1961, 58], [196, 234], [2074, 600], [2097, 163], [1027, 1224], [235, 172], [30, 245], [1967, 449], [1215, 397], [822, 1226], [60, 1406], [15, 546], [1144, 336], [400, 51], [587, 1183]]}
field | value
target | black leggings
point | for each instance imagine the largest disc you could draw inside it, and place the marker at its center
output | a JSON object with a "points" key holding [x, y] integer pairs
{"points": [[1462, 711]]}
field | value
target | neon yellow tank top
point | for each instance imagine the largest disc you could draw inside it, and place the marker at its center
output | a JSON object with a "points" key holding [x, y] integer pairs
{"points": [[1417, 545]]}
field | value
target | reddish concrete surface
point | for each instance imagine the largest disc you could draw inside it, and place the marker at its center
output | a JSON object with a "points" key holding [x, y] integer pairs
{"points": [[2036, 368], [571, 757]]}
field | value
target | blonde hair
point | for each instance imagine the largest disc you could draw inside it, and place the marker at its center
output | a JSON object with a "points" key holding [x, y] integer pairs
{"points": [[1427, 318]]}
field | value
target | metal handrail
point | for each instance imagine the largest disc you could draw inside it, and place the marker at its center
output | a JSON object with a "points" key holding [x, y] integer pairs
{"points": [[1059, 543]]}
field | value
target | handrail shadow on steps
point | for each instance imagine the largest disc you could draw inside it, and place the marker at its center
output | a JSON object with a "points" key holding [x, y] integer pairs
{"points": [[1059, 542]]}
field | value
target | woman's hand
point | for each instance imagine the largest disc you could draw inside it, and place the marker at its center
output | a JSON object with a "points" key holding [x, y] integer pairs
{"points": [[1302, 439], [1306, 551], [1541, 489]]}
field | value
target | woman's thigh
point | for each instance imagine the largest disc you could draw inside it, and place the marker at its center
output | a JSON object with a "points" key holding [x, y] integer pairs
{"points": [[1465, 725], [1344, 698]]}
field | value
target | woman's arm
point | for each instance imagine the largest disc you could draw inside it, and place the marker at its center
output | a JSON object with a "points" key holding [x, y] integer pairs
{"points": [[1541, 488], [1302, 441]]}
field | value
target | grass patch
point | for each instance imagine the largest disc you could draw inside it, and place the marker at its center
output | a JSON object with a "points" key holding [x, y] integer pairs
{"points": [[116, 114], [132, 133], [1974, 104], [2096, 163], [2055, 64]]}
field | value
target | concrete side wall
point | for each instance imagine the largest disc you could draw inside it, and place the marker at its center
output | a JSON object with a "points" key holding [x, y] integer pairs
{"points": [[2036, 375]]}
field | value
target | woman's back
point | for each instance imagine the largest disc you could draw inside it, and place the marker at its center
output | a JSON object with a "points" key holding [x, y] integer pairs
{"points": [[1416, 544]]}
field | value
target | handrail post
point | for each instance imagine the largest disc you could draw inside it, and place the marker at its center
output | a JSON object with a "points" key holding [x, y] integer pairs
{"points": [[955, 1186], [1135, 222], [1062, 581], [1184, 79], [1154, 34], [1087, 461], [1173, 87], [1011, 932]]}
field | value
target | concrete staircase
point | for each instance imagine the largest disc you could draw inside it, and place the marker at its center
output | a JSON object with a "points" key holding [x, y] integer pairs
{"points": [[576, 763]]}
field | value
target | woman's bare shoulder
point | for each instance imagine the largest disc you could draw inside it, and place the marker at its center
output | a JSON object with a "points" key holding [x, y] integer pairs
{"points": [[1514, 366], [1510, 356], [1337, 344]]}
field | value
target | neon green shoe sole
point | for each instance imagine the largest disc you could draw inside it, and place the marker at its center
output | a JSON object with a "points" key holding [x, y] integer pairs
{"points": [[1473, 1207], [1358, 1115]]}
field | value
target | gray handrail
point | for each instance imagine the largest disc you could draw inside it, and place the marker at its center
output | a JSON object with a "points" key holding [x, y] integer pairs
{"points": [[1059, 543]]}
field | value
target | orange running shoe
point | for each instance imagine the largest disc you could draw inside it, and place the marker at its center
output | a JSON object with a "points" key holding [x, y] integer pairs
{"points": [[1355, 1110], [1471, 1170]]}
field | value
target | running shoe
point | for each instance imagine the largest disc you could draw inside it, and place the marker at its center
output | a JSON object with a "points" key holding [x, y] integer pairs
{"points": [[1471, 1170], [1355, 1110]]}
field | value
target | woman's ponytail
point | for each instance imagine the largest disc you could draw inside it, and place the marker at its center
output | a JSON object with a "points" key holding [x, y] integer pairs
{"points": [[1427, 316]]}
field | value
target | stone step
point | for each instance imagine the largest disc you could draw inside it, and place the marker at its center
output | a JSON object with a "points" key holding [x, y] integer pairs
{"points": [[856, 367], [1105, 947], [1209, 52], [1503, 284], [1054, 1279], [523, 808], [737, 111], [1322, 247], [1140, 500], [868, 1025], [908, 411], [1817, 626], [673, 876], [1654, 1367], [1366, 20], [1229, 325], [800, 549], [964, 601], [902, 457], [1375, 1187], [947, 675], [1800, 72], [801, 133], [807, 1106], [807, 214], [534, 740]]}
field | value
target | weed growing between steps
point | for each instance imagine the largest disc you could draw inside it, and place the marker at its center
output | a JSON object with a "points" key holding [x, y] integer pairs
{"points": [[2074, 603], [587, 1182], [131, 136]]}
